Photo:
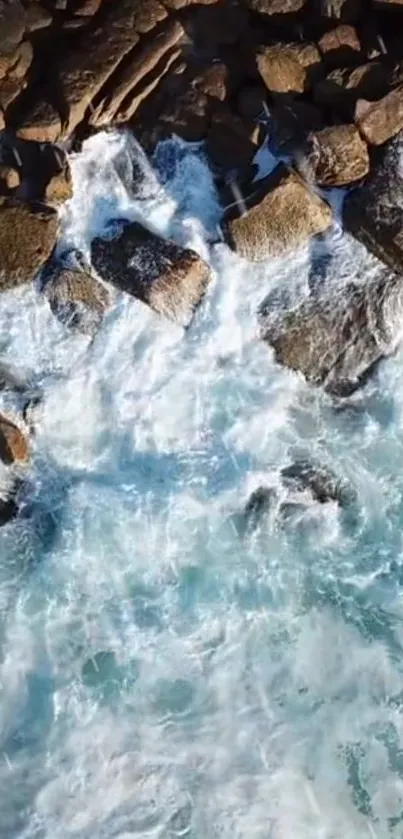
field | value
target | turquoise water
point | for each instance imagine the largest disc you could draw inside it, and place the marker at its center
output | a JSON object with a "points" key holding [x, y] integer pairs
{"points": [[162, 675]]}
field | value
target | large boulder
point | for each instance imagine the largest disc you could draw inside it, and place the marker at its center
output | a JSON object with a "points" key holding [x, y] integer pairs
{"points": [[336, 337], [382, 120], [336, 156], [170, 279], [281, 213], [75, 297], [374, 213], [289, 68], [13, 443], [27, 237]]}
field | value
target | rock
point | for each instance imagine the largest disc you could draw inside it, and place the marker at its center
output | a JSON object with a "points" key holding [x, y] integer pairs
{"points": [[59, 187], [290, 124], [170, 279], [2, 120], [13, 444], [36, 17], [323, 484], [75, 297], [214, 81], [276, 7], [25, 54], [280, 214], [187, 115], [336, 339], [27, 238], [12, 25], [374, 213], [10, 89], [41, 123], [143, 64], [340, 47], [88, 8], [258, 505], [215, 26], [336, 156], [8, 510], [9, 177], [289, 68], [251, 100], [180, 4], [342, 88], [382, 120], [231, 143]]}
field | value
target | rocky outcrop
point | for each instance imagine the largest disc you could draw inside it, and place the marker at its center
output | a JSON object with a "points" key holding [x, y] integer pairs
{"points": [[324, 486], [337, 337], [13, 443], [27, 238], [170, 279], [380, 121], [289, 68], [336, 156], [374, 213], [281, 214]]}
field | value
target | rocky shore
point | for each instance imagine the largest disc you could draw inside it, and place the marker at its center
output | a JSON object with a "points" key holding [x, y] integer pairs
{"points": [[320, 83]]}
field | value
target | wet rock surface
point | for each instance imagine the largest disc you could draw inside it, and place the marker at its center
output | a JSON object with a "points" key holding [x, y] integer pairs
{"points": [[27, 237], [170, 279]]}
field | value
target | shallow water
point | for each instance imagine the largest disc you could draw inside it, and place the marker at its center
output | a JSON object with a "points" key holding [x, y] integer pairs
{"points": [[160, 675]]}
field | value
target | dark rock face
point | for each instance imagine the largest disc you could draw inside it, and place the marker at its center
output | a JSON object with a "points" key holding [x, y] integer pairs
{"points": [[170, 279], [75, 297], [27, 238], [13, 443], [323, 485], [336, 156], [374, 213], [336, 340], [279, 215]]}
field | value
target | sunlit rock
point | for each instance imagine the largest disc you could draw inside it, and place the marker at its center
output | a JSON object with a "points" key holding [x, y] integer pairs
{"points": [[27, 238], [13, 443], [170, 279]]}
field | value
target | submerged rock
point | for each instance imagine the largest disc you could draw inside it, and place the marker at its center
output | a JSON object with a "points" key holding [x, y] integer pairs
{"points": [[280, 214], [323, 484], [259, 504], [374, 213], [75, 297], [170, 279]]}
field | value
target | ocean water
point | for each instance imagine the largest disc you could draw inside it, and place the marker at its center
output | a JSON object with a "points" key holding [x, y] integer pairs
{"points": [[162, 673]]}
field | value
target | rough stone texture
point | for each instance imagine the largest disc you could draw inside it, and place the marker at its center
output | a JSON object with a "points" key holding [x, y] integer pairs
{"points": [[187, 115], [170, 279], [215, 81], [144, 61], [319, 481], [25, 54], [336, 156], [281, 214], [13, 444], [337, 340], [289, 68], [374, 213], [41, 123], [276, 7], [9, 177], [231, 142], [76, 298], [342, 88], [59, 188], [87, 8], [341, 46], [27, 238], [36, 17], [382, 120]]}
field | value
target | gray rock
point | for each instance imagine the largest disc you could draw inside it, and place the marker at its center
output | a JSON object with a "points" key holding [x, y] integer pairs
{"points": [[320, 481]]}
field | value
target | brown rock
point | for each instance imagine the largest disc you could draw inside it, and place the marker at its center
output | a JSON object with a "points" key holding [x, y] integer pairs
{"points": [[76, 298], [170, 279], [13, 444], [280, 215], [150, 83], [342, 88], [9, 177], [27, 238], [215, 81], [12, 25], [42, 123], [144, 61], [382, 120], [2, 120], [88, 8], [231, 143], [336, 156], [289, 68], [10, 89], [181, 4], [36, 17], [59, 188], [341, 46], [276, 7], [25, 55]]}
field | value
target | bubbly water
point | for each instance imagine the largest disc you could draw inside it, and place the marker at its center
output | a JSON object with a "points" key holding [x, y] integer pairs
{"points": [[161, 674]]}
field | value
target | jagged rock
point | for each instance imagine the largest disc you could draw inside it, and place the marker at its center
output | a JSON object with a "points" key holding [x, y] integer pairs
{"points": [[321, 482], [13, 443], [343, 87], [258, 505], [289, 68], [290, 124], [170, 279], [374, 213], [231, 143], [280, 214], [75, 297], [336, 339], [382, 120], [336, 156], [9, 177], [142, 67], [41, 123], [27, 238], [341, 46]]}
